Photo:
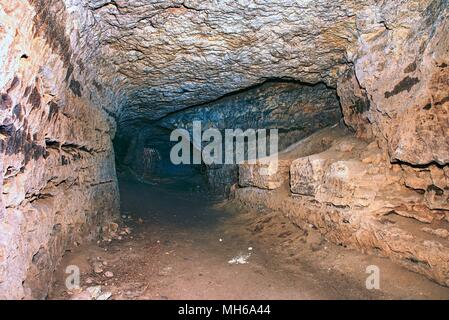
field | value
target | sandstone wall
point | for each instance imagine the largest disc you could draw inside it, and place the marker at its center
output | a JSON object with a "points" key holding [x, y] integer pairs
{"points": [[295, 109], [58, 183], [402, 64], [398, 91], [68, 67], [385, 191]]}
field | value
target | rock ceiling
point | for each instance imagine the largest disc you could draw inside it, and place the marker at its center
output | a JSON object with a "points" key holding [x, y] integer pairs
{"points": [[160, 56]]}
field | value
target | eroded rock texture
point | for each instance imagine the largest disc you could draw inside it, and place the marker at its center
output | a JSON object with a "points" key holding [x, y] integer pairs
{"points": [[407, 47], [386, 191], [295, 110], [71, 68], [354, 198], [170, 54], [57, 164], [400, 87]]}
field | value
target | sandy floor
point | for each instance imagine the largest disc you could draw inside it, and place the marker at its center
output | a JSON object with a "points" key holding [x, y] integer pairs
{"points": [[180, 246]]}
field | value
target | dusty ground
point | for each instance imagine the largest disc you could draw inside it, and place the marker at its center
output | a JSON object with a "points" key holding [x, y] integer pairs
{"points": [[180, 245]]}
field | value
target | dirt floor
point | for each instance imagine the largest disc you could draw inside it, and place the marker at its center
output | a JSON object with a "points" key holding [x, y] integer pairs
{"points": [[178, 244]]}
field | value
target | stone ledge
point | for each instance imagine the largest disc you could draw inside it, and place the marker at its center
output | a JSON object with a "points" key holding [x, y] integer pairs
{"points": [[388, 236], [264, 175]]}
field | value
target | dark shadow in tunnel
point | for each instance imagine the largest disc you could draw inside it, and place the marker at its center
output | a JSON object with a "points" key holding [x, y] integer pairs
{"points": [[147, 159], [169, 194], [295, 109], [168, 203]]}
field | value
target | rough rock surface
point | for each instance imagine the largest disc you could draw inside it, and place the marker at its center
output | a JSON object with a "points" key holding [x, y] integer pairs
{"points": [[392, 236], [167, 55], [307, 174], [406, 47], [398, 91], [56, 159], [69, 67], [265, 174], [296, 110], [350, 195]]}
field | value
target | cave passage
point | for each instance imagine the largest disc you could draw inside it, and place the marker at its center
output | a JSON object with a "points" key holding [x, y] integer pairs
{"points": [[183, 244], [118, 180], [186, 233]]}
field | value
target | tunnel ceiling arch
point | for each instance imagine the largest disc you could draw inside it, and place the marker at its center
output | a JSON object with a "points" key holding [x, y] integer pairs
{"points": [[160, 56]]}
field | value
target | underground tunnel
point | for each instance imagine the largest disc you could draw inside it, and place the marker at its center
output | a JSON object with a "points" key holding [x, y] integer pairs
{"points": [[119, 144]]}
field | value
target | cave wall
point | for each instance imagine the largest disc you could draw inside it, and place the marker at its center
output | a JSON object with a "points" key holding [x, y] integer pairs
{"points": [[384, 190], [295, 109], [69, 67], [387, 59], [58, 184], [174, 55], [397, 92]]}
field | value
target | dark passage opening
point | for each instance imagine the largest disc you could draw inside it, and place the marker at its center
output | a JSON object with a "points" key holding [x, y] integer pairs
{"points": [[294, 108]]}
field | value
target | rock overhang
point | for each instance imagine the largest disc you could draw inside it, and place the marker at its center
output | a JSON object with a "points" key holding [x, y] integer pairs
{"points": [[162, 56], [141, 60]]}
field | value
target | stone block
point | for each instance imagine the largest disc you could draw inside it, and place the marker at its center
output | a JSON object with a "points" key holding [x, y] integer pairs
{"points": [[264, 175], [306, 174]]}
